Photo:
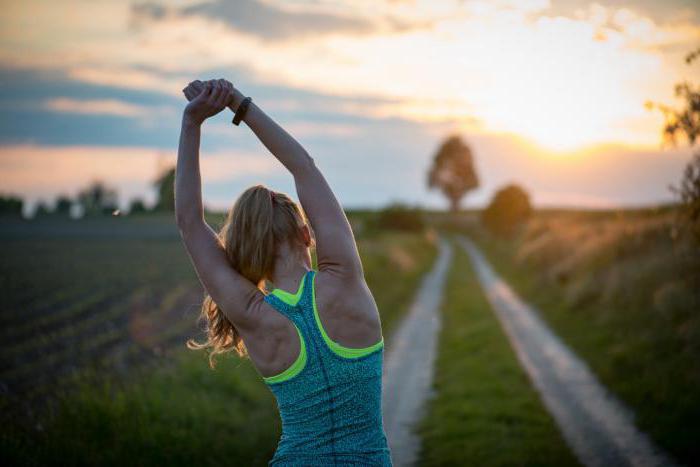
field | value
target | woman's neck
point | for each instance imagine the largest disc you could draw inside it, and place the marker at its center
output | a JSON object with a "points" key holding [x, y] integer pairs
{"points": [[289, 270]]}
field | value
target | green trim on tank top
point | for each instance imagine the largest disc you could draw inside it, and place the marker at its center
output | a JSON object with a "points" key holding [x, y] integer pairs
{"points": [[288, 297], [299, 364], [295, 368], [346, 352]]}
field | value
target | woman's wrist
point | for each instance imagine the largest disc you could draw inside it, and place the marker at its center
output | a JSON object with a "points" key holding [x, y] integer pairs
{"points": [[190, 121], [238, 97]]}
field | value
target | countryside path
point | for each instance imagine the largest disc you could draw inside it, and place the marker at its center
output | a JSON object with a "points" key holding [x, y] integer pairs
{"points": [[596, 426], [409, 362]]}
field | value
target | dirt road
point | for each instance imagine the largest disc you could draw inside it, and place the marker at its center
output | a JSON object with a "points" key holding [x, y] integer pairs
{"points": [[597, 426], [410, 360]]}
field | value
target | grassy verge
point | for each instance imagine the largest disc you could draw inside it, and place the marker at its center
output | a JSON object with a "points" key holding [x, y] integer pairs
{"points": [[484, 412], [176, 411], [644, 356], [394, 264]]}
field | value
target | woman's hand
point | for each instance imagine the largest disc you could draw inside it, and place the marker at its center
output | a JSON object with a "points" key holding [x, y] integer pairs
{"points": [[207, 99]]}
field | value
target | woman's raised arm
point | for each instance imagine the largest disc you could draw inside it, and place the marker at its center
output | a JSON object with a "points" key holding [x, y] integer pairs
{"points": [[229, 290], [335, 245]]}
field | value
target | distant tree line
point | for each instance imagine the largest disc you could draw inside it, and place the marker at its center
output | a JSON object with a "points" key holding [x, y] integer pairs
{"points": [[11, 206], [97, 199]]}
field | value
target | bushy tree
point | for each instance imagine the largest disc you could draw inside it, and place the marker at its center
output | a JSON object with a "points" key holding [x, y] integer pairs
{"points": [[509, 208], [688, 192], [684, 122], [63, 205], [42, 209], [137, 206], [97, 199], [165, 188], [452, 171], [11, 206]]}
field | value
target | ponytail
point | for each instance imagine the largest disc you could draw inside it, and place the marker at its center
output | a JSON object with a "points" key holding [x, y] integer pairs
{"points": [[258, 223]]}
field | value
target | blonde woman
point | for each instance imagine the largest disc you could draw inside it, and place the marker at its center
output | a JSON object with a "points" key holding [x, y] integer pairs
{"points": [[313, 335]]}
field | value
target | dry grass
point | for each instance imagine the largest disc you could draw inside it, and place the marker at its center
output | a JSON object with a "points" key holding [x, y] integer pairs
{"points": [[623, 289], [632, 259]]}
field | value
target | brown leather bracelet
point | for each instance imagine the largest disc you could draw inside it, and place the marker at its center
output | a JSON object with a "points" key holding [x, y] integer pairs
{"points": [[241, 110]]}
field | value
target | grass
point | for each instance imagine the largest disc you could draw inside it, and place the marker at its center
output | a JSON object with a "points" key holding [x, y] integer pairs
{"points": [[625, 296], [394, 264], [181, 414], [170, 409], [485, 411]]}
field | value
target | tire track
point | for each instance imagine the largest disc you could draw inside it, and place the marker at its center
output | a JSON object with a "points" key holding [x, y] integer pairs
{"points": [[410, 360]]}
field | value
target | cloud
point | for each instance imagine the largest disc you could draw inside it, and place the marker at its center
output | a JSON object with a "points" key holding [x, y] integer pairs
{"points": [[667, 12], [632, 27], [146, 11], [95, 107], [128, 77], [266, 20], [508, 65]]}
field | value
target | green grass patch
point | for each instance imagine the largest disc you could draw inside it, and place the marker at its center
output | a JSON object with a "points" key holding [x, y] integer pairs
{"points": [[485, 412], [394, 263], [182, 414]]}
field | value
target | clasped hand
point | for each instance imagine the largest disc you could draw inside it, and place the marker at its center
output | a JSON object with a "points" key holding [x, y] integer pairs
{"points": [[207, 98]]}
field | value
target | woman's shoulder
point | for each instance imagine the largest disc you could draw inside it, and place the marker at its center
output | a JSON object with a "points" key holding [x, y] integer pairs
{"points": [[345, 293], [334, 281]]}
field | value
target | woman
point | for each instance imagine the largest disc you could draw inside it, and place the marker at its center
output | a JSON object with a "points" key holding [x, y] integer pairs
{"points": [[316, 337]]}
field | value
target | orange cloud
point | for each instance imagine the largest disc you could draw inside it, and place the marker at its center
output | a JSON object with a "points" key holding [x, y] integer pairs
{"points": [[95, 106]]}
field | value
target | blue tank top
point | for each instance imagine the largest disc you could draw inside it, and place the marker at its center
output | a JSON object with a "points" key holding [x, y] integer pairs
{"points": [[329, 399]]}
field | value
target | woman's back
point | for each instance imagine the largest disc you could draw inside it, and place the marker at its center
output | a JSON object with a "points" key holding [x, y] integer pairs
{"points": [[330, 397]]}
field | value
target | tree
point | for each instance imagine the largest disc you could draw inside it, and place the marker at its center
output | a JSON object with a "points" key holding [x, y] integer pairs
{"points": [[11, 206], [137, 206], [97, 198], [689, 194], [453, 171], [509, 208], [165, 187], [63, 205], [686, 122], [42, 209]]}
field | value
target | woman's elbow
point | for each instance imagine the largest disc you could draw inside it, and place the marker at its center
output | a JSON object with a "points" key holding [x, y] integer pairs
{"points": [[185, 220], [306, 164]]}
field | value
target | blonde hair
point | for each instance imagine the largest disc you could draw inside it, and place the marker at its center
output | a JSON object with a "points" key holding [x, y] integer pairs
{"points": [[258, 223]]}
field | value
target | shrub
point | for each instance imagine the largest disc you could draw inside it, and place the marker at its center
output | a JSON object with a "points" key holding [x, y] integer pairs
{"points": [[137, 206], [509, 208], [689, 194], [11, 206], [400, 217], [63, 205]]}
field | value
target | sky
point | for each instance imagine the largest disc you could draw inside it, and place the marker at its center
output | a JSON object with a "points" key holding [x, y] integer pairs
{"points": [[548, 94]]}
